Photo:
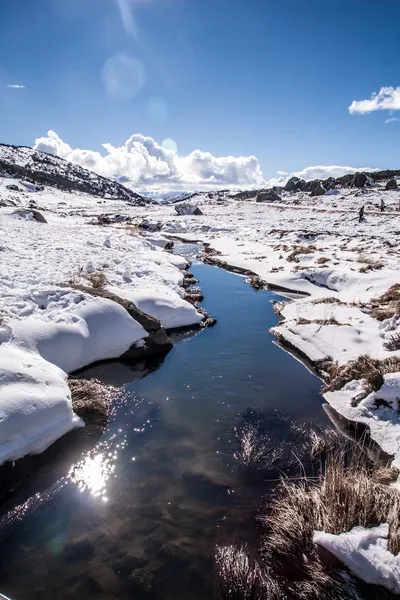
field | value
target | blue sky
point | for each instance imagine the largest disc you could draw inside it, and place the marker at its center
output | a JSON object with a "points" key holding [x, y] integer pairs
{"points": [[230, 77]]}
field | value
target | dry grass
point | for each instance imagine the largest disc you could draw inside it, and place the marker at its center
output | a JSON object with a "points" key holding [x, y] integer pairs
{"points": [[97, 280], [298, 250], [345, 496], [370, 263], [393, 344], [330, 300], [322, 260], [387, 305], [323, 322], [364, 367], [91, 399]]}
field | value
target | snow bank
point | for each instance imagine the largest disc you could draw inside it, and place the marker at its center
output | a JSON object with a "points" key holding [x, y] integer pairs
{"points": [[166, 306], [95, 329], [383, 421], [365, 552], [35, 403]]}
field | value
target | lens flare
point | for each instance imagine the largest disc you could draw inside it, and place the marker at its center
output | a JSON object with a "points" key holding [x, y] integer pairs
{"points": [[123, 76], [169, 145]]}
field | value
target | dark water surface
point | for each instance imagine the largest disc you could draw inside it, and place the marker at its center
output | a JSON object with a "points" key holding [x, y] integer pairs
{"points": [[138, 517]]}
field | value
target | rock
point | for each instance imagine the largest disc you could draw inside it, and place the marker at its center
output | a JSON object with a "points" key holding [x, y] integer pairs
{"points": [[319, 190], [208, 322], [295, 184], [103, 220], [38, 216], [13, 188], [79, 549], [359, 180], [310, 186], [268, 196], [150, 226], [141, 580], [173, 552], [124, 566], [257, 283], [391, 184], [187, 209]]}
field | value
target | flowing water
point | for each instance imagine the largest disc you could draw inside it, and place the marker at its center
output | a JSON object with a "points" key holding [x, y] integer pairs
{"points": [[139, 515]]}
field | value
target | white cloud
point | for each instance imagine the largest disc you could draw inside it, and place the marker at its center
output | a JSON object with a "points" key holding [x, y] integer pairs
{"points": [[392, 120], [143, 164], [15, 86], [388, 98], [283, 173]]}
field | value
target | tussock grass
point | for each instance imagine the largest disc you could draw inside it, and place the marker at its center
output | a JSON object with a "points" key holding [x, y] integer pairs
{"points": [[331, 321], [393, 344], [322, 260], [330, 300], [364, 367], [387, 305], [297, 250], [240, 576], [91, 399], [98, 280], [345, 496]]}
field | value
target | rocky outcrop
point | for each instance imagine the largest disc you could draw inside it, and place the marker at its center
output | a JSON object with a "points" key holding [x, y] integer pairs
{"points": [[38, 216], [268, 196], [359, 180], [295, 184], [187, 209], [391, 184], [319, 190]]}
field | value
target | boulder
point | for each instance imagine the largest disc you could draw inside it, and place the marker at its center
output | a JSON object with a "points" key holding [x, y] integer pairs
{"points": [[38, 216], [391, 184], [359, 180], [319, 190], [310, 186], [13, 188], [187, 209], [268, 196], [295, 184]]}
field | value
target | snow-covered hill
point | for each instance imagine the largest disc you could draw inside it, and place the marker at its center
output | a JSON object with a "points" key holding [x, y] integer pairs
{"points": [[45, 169]]}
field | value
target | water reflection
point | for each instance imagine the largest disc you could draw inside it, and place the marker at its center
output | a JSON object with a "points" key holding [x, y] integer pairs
{"points": [[93, 472]]}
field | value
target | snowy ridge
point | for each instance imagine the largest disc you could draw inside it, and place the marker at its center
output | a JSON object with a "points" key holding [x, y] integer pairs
{"points": [[45, 169]]}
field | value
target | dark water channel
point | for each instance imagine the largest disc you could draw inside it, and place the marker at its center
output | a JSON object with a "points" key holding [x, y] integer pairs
{"points": [[138, 517]]}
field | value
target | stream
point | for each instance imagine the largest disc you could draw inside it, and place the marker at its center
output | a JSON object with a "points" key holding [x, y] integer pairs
{"points": [[139, 515]]}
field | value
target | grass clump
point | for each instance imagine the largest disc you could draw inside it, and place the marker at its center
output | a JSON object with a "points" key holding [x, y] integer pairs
{"points": [[91, 400], [298, 250], [387, 305], [97, 280], [364, 367], [322, 260], [393, 344]]}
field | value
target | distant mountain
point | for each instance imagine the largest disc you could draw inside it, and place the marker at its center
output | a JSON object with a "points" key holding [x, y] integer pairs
{"points": [[45, 169]]}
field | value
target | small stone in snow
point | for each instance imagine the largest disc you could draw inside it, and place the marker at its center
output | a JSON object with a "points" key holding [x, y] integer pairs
{"points": [[107, 243]]}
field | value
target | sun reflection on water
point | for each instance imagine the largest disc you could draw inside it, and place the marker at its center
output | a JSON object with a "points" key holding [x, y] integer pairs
{"points": [[93, 472]]}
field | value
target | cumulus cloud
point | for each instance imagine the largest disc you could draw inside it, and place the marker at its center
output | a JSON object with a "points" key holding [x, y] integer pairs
{"points": [[388, 98], [15, 86], [392, 120], [142, 163]]}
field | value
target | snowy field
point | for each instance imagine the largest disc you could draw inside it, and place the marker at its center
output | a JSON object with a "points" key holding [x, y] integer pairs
{"points": [[316, 246], [48, 327]]}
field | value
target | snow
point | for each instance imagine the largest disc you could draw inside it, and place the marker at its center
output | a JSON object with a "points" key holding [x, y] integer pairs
{"points": [[48, 327], [365, 552], [35, 403], [95, 329], [166, 306], [315, 247]]}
